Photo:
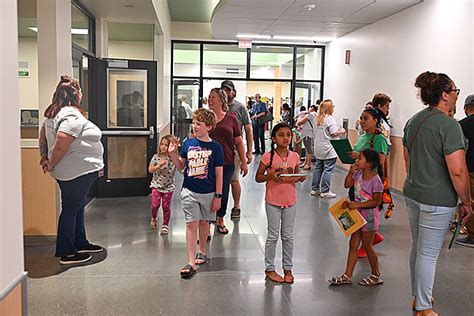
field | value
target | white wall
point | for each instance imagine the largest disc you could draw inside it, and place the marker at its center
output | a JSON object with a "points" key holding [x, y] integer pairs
{"points": [[11, 220], [28, 51], [387, 56]]}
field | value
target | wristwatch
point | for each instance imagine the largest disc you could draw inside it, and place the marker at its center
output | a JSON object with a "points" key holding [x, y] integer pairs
{"points": [[218, 195]]}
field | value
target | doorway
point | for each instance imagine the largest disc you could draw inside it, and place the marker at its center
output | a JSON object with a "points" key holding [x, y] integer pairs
{"points": [[123, 106]]}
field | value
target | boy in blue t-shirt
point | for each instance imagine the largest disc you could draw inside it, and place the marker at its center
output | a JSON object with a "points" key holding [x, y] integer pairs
{"points": [[202, 160]]}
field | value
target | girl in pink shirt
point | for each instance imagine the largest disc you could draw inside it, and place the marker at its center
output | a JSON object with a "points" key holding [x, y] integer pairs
{"points": [[280, 198]]}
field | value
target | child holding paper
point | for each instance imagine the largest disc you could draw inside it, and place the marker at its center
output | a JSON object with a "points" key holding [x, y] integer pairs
{"points": [[364, 175]]}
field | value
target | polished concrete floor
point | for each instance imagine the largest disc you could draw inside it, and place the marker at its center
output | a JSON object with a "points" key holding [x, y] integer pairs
{"points": [[139, 272]]}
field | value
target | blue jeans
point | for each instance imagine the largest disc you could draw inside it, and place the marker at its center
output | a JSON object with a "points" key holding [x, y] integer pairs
{"points": [[428, 225], [277, 215], [322, 175], [227, 177], [71, 230]]}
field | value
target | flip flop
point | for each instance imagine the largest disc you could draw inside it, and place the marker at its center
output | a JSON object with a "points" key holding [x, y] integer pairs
{"points": [[222, 229], [201, 257], [187, 275]]}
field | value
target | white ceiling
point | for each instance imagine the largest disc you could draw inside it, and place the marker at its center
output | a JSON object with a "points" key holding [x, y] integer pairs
{"points": [[329, 18]]}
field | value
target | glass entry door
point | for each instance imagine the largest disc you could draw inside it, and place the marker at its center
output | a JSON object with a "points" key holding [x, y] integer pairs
{"points": [[185, 101], [124, 107]]}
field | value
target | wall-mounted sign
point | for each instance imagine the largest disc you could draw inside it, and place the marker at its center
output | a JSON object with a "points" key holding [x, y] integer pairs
{"points": [[245, 44], [23, 69], [348, 56]]}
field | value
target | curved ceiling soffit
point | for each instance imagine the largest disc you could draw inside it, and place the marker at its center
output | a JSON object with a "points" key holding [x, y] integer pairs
{"points": [[218, 6]]}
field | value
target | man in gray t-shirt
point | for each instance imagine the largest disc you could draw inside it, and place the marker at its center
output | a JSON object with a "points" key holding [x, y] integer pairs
{"points": [[243, 117]]}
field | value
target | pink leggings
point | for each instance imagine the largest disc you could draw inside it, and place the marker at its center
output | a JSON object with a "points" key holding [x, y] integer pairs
{"points": [[164, 199]]}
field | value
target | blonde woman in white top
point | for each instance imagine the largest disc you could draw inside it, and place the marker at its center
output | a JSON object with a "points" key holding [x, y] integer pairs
{"points": [[326, 129]]}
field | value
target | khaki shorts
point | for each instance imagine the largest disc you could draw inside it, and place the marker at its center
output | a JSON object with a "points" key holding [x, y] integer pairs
{"points": [[197, 206], [308, 145], [237, 162]]}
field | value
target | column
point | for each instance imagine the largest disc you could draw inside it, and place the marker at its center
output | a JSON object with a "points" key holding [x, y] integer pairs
{"points": [[11, 224], [54, 47]]}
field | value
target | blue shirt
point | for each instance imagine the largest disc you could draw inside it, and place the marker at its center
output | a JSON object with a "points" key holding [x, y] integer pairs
{"points": [[258, 108], [202, 158]]}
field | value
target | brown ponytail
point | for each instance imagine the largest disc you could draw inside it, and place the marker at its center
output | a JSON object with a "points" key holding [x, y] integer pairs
{"points": [[67, 93]]}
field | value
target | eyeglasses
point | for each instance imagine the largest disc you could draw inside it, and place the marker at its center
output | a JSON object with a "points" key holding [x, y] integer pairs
{"points": [[455, 90]]}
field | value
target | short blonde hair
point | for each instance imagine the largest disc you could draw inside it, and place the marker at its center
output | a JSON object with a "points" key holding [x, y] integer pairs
{"points": [[205, 116]]}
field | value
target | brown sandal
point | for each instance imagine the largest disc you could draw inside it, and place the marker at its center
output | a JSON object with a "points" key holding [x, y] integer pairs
{"points": [[289, 278], [414, 303], [273, 276], [427, 312]]}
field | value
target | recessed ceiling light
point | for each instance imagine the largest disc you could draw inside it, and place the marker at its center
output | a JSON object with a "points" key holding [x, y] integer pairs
{"points": [[304, 38], [250, 36], [73, 31], [309, 7]]}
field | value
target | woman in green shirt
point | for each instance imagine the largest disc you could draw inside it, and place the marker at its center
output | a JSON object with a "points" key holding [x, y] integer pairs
{"points": [[370, 121], [437, 177]]}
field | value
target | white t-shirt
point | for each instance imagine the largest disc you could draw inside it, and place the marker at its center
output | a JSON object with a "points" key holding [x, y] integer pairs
{"points": [[322, 146], [85, 153], [308, 126], [386, 131]]}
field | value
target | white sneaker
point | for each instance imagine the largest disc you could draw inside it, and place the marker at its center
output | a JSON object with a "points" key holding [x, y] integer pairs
{"points": [[328, 195], [315, 193]]}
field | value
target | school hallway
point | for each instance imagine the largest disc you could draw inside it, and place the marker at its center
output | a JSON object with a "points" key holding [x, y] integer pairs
{"points": [[139, 273]]}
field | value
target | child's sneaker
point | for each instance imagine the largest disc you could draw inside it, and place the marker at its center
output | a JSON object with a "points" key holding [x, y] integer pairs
{"points": [[154, 223], [164, 230]]}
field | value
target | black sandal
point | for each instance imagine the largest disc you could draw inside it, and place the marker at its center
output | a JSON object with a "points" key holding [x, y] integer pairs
{"points": [[222, 229], [189, 273], [200, 259]]}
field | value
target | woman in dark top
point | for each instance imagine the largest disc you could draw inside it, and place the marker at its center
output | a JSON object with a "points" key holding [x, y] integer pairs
{"points": [[227, 134]]}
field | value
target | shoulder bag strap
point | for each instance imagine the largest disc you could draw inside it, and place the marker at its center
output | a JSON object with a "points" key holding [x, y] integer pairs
{"points": [[412, 139]]}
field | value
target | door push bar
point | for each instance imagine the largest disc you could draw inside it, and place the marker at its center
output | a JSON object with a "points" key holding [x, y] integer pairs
{"points": [[150, 133]]}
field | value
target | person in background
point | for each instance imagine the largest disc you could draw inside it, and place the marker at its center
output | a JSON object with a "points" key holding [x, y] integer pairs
{"points": [[381, 102], [187, 107], [307, 133], [434, 151], [296, 140], [243, 118], [286, 114], [357, 126], [205, 103], [162, 184], [467, 125], [71, 152], [259, 109], [227, 134], [326, 129], [372, 138]]}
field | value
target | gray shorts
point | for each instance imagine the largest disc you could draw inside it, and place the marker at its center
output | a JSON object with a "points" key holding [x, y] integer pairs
{"points": [[237, 162], [308, 144], [197, 206]]}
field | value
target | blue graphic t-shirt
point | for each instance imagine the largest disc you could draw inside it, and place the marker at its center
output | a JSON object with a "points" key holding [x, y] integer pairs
{"points": [[202, 158]]}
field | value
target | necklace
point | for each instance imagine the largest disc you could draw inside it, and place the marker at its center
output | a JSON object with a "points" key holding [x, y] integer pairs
{"points": [[285, 161]]}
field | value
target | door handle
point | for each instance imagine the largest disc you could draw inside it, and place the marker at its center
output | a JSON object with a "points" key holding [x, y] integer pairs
{"points": [[152, 132]]}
